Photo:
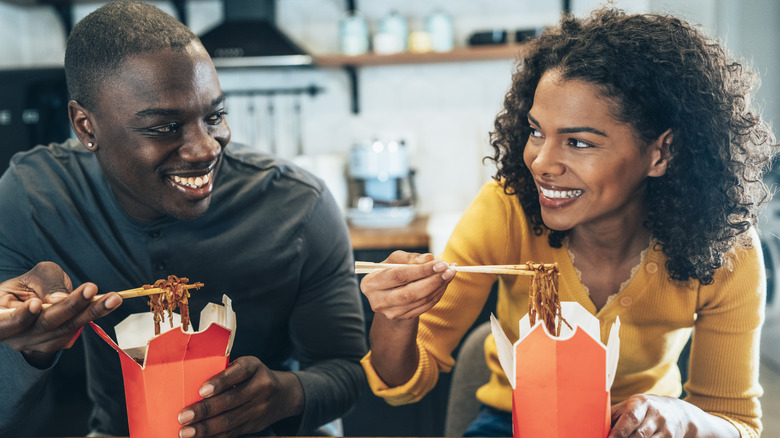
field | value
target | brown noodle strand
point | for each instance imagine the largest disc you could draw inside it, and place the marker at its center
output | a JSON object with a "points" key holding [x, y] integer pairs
{"points": [[543, 301], [176, 295]]}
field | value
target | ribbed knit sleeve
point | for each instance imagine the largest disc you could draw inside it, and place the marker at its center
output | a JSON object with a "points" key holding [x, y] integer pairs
{"points": [[724, 361]]}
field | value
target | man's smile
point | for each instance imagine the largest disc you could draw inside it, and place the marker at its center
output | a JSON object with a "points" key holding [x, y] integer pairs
{"points": [[192, 182]]}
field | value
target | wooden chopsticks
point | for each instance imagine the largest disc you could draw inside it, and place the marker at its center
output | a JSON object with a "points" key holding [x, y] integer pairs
{"points": [[130, 293], [369, 267]]}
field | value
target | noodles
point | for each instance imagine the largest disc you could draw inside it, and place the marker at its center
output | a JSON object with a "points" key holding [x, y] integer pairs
{"points": [[543, 299], [175, 295]]}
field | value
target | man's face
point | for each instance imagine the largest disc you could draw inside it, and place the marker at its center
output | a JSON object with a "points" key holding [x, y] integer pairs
{"points": [[160, 130]]}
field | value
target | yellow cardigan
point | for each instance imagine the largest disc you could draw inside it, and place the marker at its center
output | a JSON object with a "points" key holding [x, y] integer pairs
{"points": [[657, 317]]}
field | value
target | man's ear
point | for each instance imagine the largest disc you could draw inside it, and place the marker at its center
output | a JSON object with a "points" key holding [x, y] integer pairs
{"points": [[83, 124], [660, 154]]}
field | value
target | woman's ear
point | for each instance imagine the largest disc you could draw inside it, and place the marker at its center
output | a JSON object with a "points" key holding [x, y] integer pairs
{"points": [[660, 154], [83, 125]]}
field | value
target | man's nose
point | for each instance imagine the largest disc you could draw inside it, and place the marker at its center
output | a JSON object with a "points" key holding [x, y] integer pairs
{"points": [[201, 145]]}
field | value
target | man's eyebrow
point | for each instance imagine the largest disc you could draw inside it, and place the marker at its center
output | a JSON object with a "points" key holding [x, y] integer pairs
{"points": [[572, 130], [157, 112], [219, 100], [166, 112]]}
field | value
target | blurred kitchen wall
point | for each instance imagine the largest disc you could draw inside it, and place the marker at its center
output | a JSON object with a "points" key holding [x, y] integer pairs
{"points": [[444, 112]]}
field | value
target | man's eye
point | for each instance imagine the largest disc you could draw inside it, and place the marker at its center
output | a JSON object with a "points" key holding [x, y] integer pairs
{"points": [[170, 128], [217, 117]]}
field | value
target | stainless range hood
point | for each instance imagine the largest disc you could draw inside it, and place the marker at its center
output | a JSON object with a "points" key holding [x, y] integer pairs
{"points": [[248, 37]]}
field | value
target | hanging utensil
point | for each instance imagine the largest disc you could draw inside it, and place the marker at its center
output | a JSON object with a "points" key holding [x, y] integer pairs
{"points": [[271, 124], [296, 123]]}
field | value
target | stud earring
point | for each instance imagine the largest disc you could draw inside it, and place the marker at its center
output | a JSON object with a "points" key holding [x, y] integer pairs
{"points": [[90, 145]]}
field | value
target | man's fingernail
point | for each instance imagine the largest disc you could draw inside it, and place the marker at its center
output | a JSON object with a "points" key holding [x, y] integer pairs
{"points": [[89, 292], [185, 417], [56, 297], [35, 305], [438, 267], [449, 273], [206, 390], [112, 302], [187, 432]]}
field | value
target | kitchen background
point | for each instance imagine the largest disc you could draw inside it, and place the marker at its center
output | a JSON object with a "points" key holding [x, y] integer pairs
{"points": [[441, 111]]}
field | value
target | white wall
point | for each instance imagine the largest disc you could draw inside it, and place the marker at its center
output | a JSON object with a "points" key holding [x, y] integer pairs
{"points": [[444, 111]]}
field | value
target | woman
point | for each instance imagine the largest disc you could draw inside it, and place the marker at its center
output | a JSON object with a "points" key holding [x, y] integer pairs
{"points": [[628, 153]]}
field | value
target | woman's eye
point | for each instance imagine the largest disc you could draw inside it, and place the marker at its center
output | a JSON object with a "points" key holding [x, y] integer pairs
{"points": [[579, 144], [535, 133]]}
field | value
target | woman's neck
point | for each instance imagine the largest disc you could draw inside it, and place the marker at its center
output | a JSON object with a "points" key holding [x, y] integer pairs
{"points": [[609, 244]]}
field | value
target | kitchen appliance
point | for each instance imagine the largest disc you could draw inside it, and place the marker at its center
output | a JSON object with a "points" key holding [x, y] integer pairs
{"points": [[381, 188], [33, 110], [249, 37]]}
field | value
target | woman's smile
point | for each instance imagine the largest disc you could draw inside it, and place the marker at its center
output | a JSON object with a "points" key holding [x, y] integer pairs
{"points": [[557, 197]]}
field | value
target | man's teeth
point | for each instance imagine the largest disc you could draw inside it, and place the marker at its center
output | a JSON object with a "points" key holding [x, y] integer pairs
{"points": [[559, 194], [196, 182]]}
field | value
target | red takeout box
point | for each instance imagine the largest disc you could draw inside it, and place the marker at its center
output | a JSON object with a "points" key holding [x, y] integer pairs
{"points": [[173, 365], [560, 385]]}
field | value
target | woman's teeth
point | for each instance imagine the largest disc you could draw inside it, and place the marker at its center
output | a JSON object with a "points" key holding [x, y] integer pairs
{"points": [[196, 182], [560, 194]]}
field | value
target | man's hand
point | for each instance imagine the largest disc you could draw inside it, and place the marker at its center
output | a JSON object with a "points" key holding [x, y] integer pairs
{"points": [[40, 333], [245, 398]]}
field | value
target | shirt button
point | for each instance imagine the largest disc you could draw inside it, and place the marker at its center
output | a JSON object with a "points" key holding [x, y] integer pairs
{"points": [[626, 301], [160, 266], [651, 268], [154, 234]]}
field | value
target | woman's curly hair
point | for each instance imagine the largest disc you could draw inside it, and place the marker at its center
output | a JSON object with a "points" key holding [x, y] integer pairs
{"points": [[661, 73]]}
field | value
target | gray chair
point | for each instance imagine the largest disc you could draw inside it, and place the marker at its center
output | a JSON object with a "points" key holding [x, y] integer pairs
{"points": [[469, 373]]}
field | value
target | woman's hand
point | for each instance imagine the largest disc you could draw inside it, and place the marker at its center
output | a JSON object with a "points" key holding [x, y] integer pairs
{"points": [[398, 296], [409, 291], [245, 398], [645, 415]]}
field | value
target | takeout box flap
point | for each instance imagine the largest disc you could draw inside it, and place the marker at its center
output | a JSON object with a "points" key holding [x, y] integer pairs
{"points": [[136, 332], [580, 320]]}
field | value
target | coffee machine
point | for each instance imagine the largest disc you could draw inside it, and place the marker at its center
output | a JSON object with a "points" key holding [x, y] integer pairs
{"points": [[381, 188]]}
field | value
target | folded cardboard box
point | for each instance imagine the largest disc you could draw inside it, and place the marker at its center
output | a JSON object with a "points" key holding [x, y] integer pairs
{"points": [[162, 374], [560, 385]]}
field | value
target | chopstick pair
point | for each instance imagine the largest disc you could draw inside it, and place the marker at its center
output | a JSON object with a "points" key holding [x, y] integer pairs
{"points": [[369, 267], [130, 293]]}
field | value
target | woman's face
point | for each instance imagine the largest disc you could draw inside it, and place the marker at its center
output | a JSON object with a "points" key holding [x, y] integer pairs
{"points": [[590, 169]]}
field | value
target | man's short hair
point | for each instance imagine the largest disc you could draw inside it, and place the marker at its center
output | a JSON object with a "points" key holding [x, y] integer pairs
{"points": [[103, 39]]}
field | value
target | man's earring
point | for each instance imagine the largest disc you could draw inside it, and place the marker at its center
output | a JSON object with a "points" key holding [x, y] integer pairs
{"points": [[90, 145]]}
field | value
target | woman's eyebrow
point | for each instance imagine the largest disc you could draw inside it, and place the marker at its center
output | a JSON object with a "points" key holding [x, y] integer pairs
{"points": [[576, 129], [572, 130]]}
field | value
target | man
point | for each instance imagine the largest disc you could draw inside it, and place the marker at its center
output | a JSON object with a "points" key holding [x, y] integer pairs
{"points": [[149, 189]]}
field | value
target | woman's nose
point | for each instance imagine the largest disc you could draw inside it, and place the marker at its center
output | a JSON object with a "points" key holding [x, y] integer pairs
{"points": [[546, 160]]}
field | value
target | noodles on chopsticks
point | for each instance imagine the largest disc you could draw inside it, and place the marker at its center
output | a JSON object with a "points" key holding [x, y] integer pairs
{"points": [[176, 294], [543, 301]]}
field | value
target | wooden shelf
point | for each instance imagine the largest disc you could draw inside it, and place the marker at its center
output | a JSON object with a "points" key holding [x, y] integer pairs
{"points": [[461, 54], [414, 235]]}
